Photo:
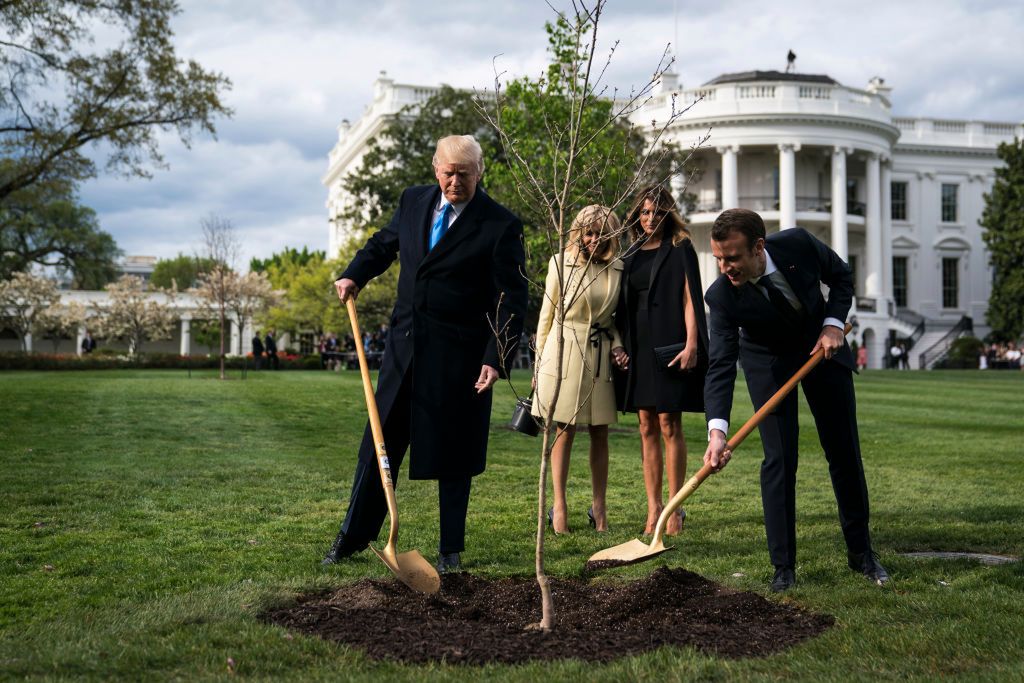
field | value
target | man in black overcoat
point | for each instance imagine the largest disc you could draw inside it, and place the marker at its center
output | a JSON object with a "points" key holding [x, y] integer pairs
{"points": [[462, 271], [767, 309], [270, 343], [257, 350]]}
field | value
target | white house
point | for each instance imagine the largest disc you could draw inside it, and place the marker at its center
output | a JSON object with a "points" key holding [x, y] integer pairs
{"points": [[898, 197]]}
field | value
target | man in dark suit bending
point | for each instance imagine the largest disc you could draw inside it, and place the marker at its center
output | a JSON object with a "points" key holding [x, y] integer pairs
{"points": [[768, 310], [462, 271]]}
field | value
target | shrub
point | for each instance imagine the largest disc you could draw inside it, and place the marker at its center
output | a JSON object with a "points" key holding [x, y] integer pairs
{"points": [[963, 354]]}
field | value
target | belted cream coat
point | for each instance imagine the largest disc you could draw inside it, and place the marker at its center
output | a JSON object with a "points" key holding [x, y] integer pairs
{"points": [[587, 394]]}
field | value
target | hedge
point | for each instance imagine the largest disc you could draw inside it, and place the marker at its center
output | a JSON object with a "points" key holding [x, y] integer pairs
{"points": [[169, 361]]}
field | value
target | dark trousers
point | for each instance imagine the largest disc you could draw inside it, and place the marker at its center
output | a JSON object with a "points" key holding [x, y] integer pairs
{"points": [[367, 506], [830, 395]]}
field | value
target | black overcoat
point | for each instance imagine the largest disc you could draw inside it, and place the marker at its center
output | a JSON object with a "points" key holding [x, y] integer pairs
{"points": [[441, 326], [674, 267]]}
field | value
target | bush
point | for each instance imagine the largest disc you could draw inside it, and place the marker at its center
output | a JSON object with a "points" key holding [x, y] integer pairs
{"points": [[963, 354], [118, 360]]}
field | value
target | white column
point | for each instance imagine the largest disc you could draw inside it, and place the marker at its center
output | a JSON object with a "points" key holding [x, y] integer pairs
{"points": [[840, 237], [236, 337], [28, 343], [886, 231], [873, 226], [186, 337], [730, 177], [787, 185], [78, 339]]}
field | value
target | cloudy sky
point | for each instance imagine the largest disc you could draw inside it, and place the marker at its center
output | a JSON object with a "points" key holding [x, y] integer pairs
{"points": [[299, 67]]}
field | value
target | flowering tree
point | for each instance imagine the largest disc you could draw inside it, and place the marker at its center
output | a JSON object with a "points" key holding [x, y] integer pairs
{"points": [[60, 320], [23, 298], [217, 286], [134, 316], [251, 295]]}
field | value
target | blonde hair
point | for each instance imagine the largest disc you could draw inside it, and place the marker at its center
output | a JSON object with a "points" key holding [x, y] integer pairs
{"points": [[672, 224], [605, 223], [458, 149]]}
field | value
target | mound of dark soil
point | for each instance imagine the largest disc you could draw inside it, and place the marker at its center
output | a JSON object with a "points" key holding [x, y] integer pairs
{"points": [[475, 620]]}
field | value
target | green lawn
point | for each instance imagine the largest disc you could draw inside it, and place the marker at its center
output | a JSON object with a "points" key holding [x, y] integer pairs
{"points": [[147, 518]]}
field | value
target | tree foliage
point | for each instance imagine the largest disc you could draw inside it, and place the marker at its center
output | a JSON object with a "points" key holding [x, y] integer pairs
{"points": [[61, 321], [61, 94], [289, 255], [44, 225], [182, 271], [1003, 224]]}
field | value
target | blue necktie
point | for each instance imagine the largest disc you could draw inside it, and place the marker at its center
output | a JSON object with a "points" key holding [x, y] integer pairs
{"points": [[440, 226]]}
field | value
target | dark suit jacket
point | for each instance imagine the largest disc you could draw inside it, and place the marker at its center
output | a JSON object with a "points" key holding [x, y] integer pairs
{"points": [[673, 268], [441, 327], [745, 325], [271, 345]]}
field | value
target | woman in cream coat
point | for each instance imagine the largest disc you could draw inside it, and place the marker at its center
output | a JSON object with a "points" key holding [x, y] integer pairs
{"points": [[591, 274]]}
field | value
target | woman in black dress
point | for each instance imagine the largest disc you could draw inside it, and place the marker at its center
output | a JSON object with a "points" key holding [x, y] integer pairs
{"points": [[663, 326]]}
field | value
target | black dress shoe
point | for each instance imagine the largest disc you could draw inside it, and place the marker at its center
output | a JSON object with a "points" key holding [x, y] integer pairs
{"points": [[867, 564], [784, 579], [449, 563], [340, 549]]}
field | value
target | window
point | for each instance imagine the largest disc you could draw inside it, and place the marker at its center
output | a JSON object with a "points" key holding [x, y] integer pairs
{"points": [[949, 197], [899, 280], [718, 186], [950, 283], [899, 201]]}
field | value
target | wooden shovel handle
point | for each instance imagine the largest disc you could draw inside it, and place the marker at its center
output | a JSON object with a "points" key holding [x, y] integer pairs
{"points": [[744, 431], [375, 428]]}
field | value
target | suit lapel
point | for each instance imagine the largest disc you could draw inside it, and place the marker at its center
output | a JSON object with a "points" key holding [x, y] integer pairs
{"points": [[461, 229], [422, 213], [788, 270]]}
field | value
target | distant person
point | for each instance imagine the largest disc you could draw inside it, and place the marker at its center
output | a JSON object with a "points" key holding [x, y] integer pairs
{"points": [[904, 356], [332, 348], [88, 343], [862, 357], [257, 350], [895, 355], [271, 345], [767, 311]]}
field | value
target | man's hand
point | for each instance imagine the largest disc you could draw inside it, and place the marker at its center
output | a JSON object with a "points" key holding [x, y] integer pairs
{"points": [[717, 455], [488, 376], [620, 358], [346, 288], [831, 339]]}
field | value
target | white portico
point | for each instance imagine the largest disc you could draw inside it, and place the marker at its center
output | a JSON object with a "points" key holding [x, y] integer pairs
{"points": [[804, 150], [898, 198]]}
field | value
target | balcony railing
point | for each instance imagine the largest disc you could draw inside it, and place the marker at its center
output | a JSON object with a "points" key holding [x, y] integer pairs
{"points": [[771, 203]]}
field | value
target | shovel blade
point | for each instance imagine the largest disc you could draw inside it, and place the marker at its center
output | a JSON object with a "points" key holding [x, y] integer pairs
{"points": [[630, 552], [412, 569]]}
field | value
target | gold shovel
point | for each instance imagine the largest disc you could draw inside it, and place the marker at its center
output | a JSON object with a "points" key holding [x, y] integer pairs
{"points": [[410, 568], [636, 550]]}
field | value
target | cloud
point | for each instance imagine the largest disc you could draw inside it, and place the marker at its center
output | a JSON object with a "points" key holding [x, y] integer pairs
{"points": [[299, 68]]}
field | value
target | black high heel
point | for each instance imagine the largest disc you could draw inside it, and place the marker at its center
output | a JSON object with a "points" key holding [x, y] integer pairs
{"points": [[590, 516], [551, 518]]}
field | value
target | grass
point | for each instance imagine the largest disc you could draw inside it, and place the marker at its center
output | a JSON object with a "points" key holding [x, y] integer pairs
{"points": [[148, 518]]}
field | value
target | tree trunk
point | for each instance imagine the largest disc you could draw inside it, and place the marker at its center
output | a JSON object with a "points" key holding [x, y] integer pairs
{"points": [[222, 375]]}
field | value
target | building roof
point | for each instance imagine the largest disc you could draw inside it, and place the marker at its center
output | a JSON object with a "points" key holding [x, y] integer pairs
{"points": [[751, 76]]}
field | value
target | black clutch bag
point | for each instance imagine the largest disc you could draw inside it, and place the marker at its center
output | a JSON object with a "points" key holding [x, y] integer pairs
{"points": [[523, 420], [664, 355]]}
